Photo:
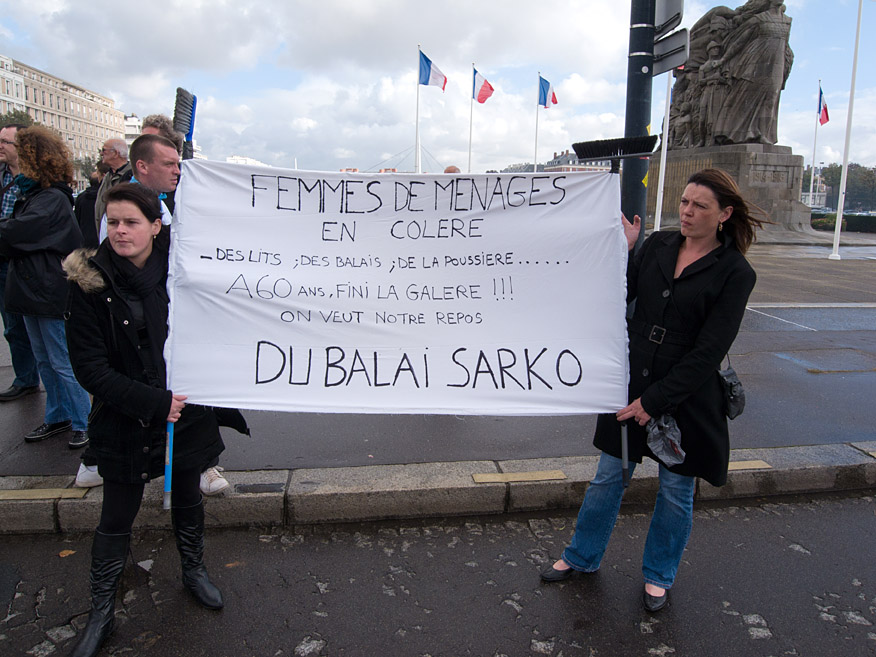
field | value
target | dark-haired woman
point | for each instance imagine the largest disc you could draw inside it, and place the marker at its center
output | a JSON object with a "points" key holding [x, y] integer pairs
{"points": [[40, 233], [691, 287], [116, 331]]}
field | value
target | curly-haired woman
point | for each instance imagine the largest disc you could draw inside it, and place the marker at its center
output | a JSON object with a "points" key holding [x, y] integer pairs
{"points": [[40, 233]]}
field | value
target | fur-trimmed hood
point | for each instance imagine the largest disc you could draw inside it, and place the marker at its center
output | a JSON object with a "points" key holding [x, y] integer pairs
{"points": [[79, 270]]}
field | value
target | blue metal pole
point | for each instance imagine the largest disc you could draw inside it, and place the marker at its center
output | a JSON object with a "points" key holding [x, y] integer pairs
{"points": [[168, 466]]}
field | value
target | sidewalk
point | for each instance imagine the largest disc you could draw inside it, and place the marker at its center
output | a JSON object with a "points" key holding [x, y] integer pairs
{"points": [[383, 492], [830, 457]]}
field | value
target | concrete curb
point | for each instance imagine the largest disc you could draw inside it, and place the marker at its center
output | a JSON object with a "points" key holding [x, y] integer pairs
{"points": [[311, 496]]}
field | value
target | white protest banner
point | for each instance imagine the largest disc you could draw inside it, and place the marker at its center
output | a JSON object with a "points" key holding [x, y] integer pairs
{"points": [[397, 293]]}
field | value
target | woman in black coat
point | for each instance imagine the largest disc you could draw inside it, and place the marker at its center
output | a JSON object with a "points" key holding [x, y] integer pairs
{"points": [[116, 330], [38, 235], [690, 288]]}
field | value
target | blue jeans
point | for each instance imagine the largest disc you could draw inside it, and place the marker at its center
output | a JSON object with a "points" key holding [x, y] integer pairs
{"points": [[667, 536], [65, 398], [23, 363]]}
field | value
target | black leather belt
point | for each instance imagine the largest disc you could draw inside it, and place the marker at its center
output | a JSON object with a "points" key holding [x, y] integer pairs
{"points": [[658, 334]]}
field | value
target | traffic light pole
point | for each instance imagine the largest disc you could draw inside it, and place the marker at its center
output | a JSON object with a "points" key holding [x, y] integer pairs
{"points": [[638, 108]]}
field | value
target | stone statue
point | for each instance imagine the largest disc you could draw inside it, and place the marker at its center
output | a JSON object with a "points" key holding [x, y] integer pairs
{"points": [[714, 82], [738, 65]]}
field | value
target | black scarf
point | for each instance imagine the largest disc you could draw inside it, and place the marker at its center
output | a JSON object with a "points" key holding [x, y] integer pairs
{"points": [[150, 285]]}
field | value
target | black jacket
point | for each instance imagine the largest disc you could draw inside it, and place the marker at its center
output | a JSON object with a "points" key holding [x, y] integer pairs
{"points": [[40, 233], [701, 312], [127, 424], [84, 211]]}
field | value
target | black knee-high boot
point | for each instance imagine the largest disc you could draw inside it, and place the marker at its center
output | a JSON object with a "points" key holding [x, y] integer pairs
{"points": [[188, 525], [108, 554]]}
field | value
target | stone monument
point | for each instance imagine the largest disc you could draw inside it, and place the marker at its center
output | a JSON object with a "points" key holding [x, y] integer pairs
{"points": [[724, 112]]}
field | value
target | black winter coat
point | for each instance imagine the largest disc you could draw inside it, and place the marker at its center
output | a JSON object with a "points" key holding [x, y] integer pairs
{"points": [[83, 208], [40, 233], [701, 312], [127, 424]]}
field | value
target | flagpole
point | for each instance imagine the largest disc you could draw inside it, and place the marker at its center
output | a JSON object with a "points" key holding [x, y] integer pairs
{"points": [[842, 195], [471, 114], [814, 142], [663, 148], [538, 97], [417, 138]]}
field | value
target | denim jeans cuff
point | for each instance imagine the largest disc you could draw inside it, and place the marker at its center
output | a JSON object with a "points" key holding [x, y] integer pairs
{"points": [[580, 569], [662, 585]]}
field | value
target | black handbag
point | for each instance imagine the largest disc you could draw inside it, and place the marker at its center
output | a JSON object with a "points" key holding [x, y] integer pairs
{"points": [[734, 394]]}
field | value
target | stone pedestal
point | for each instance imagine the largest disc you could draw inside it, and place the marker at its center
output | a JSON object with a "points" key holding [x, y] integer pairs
{"points": [[769, 176]]}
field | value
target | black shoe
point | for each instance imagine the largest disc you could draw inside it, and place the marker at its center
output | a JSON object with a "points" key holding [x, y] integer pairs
{"points": [[108, 555], [47, 430], [78, 440], [188, 526], [653, 603], [551, 574], [16, 392]]}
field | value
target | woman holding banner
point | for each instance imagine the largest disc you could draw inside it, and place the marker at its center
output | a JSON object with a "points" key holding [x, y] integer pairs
{"points": [[691, 288], [116, 330]]}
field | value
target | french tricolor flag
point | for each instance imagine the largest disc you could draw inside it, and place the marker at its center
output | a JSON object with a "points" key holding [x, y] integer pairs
{"points": [[481, 89], [430, 75], [546, 95], [822, 108]]}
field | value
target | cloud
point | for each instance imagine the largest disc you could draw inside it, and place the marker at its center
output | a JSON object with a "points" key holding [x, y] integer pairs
{"points": [[333, 83]]}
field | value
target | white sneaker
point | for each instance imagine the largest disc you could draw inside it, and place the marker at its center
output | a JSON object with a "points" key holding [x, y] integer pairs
{"points": [[213, 483], [87, 477]]}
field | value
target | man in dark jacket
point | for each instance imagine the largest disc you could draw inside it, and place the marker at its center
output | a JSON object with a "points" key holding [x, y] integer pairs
{"points": [[84, 210], [114, 154], [27, 379]]}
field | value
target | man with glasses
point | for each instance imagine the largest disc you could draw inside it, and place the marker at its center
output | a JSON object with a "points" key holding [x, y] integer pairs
{"points": [[27, 378], [115, 155]]}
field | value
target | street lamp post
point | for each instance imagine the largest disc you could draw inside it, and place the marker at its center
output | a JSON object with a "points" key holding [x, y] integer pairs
{"points": [[842, 194]]}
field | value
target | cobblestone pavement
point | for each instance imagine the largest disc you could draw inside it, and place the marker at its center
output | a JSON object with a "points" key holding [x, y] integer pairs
{"points": [[784, 578]]}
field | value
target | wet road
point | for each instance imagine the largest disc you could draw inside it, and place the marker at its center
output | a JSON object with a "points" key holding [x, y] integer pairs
{"points": [[789, 578]]}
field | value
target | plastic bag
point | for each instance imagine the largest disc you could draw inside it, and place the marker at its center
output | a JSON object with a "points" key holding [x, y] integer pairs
{"points": [[664, 440]]}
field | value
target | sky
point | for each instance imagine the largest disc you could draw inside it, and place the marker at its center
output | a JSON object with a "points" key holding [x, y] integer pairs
{"points": [[332, 84]]}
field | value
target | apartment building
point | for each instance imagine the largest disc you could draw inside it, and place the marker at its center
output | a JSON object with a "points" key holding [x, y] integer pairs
{"points": [[84, 118]]}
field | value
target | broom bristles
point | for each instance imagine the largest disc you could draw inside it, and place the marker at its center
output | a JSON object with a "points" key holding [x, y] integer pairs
{"points": [[607, 149]]}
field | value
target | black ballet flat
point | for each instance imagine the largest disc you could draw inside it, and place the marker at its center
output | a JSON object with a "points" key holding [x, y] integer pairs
{"points": [[653, 603], [551, 574]]}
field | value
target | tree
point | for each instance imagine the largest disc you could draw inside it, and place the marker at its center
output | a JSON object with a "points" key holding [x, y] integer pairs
{"points": [[15, 116], [85, 165], [860, 186]]}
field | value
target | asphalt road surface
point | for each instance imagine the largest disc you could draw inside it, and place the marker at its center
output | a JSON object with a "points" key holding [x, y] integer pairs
{"points": [[784, 578]]}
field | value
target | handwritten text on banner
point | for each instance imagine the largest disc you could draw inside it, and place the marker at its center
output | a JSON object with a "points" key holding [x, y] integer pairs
{"points": [[398, 293]]}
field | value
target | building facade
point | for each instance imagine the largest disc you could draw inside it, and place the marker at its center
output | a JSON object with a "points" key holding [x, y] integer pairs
{"points": [[567, 161], [84, 118], [11, 87], [133, 126]]}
